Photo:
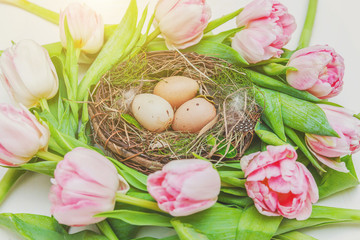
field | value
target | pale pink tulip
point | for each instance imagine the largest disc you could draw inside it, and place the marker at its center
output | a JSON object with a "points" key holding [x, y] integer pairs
{"points": [[21, 135], [85, 25], [278, 184], [182, 22], [268, 27], [320, 71], [325, 147], [184, 187], [28, 73], [85, 184]]}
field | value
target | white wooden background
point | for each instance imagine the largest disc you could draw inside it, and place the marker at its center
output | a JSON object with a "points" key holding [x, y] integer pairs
{"points": [[337, 24]]}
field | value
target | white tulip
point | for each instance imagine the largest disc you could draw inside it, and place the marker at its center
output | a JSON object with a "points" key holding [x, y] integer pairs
{"points": [[85, 25], [28, 73]]}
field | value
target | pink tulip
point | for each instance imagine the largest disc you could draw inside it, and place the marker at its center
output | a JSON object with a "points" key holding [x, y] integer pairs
{"points": [[85, 25], [278, 184], [320, 71], [182, 22], [268, 27], [184, 187], [21, 135], [28, 73], [85, 184], [325, 147]]}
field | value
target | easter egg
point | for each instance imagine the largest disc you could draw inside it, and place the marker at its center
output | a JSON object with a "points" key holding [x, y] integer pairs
{"points": [[177, 90], [193, 115], [152, 112]]}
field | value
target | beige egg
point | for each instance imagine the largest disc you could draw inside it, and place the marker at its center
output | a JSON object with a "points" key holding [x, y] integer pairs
{"points": [[176, 90], [152, 112], [193, 115]]}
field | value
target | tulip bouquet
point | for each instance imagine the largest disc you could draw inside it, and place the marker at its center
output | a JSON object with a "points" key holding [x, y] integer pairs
{"points": [[301, 152]]}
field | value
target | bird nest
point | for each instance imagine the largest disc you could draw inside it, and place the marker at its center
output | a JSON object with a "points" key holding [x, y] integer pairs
{"points": [[226, 86]]}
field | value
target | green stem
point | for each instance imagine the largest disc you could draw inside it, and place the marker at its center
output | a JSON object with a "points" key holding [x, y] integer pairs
{"points": [[274, 60], [152, 36], [217, 22], [48, 156], [137, 202], [8, 180], [44, 105], [35, 9], [308, 25], [106, 229]]}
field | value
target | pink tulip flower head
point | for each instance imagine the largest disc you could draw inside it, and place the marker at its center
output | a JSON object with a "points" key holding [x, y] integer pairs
{"points": [[28, 73], [268, 27], [348, 142], [182, 22], [85, 184], [278, 184], [85, 25], [21, 135], [184, 187], [320, 71]]}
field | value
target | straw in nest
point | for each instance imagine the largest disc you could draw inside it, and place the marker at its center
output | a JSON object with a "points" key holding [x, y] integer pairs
{"points": [[229, 88]]}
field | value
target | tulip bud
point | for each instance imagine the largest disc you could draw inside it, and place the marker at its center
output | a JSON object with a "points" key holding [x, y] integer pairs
{"points": [[21, 135], [85, 25], [184, 187], [320, 71], [278, 184], [182, 22], [325, 147], [28, 73], [85, 184], [268, 27]]}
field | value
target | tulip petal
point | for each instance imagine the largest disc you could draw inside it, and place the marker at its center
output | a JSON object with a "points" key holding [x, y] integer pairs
{"points": [[85, 184], [338, 166], [254, 10], [184, 187]]}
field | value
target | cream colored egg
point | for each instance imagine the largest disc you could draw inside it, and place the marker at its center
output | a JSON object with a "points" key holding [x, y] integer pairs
{"points": [[177, 90], [193, 115], [152, 112]]}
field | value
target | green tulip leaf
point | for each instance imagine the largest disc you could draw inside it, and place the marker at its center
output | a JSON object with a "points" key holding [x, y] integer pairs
{"points": [[305, 116], [300, 142], [271, 83], [131, 120], [37, 227], [186, 231], [217, 222], [320, 216], [294, 235], [234, 191], [267, 136], [254, 225], [238, 201], [333, 181], [271, 105], [220, 38], [138, 218], [218, 50]]}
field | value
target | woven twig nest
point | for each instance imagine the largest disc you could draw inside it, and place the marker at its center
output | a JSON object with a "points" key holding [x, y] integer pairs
{"points": [[228, 88]]}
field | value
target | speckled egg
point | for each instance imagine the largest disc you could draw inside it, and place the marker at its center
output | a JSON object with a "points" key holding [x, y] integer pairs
{"points": [[176, 90], [193, 115], [152, 112]]}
